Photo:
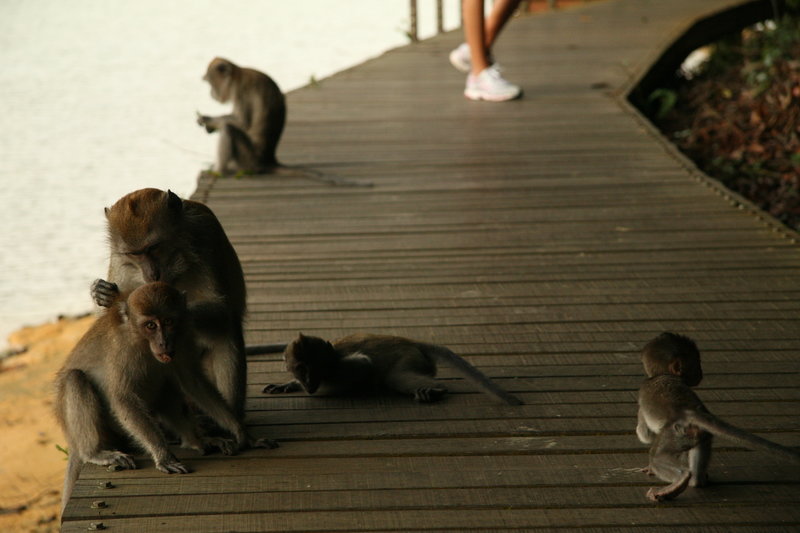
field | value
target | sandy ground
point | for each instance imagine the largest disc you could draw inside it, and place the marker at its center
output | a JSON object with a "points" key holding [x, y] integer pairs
{"points": [[31, 466]]}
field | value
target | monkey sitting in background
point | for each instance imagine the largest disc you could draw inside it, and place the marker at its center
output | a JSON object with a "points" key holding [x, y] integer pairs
{"points": [[364, 363], [249, 136], [129, 373], [676, 424]]}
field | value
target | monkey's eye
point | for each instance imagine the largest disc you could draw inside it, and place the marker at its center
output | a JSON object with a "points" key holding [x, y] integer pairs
{"points": [[150, 325]]}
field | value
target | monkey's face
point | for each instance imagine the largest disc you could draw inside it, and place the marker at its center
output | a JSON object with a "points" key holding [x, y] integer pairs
{"points": [[220, 76], [156, 311], [144, 229], [309, 360], [160, 333]]}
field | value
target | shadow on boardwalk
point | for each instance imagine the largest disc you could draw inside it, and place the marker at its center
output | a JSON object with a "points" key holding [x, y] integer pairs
{"points": [[545, 239]]}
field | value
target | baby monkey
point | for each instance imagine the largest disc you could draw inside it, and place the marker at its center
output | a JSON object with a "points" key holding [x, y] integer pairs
{"points": [[676, 424], [364, 363], [127, 375]]}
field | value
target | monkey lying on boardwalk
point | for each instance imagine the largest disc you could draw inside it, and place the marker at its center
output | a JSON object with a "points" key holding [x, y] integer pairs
{"points": [[375, 363], [677, 425], [129, 373]]}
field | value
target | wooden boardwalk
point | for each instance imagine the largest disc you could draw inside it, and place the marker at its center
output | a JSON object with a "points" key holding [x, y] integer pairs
{"points": [[546, 240]]}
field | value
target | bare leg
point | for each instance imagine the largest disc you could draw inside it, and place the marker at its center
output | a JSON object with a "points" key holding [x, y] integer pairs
{"points": [[501, 12], [481, 35], [475, 34]]}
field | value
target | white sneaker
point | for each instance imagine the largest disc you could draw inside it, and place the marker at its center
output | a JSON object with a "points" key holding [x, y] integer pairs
{"points": [[462, 60], [491, 86]]}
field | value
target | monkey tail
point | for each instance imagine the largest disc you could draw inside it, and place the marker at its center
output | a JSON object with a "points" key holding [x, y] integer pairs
{"points": [[261, 349], [479, 378], [719, 427], [70, 477], [316, 175]]}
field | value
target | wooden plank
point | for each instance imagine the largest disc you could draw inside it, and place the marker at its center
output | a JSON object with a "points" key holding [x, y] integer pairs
{"points": [[546, 240]]}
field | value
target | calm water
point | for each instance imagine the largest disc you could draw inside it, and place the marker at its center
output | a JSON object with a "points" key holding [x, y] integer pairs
{"points": [[99, 99]]}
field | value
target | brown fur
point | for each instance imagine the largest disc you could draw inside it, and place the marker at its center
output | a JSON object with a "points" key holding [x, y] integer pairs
{"points": [[365, 363], [156, 236], [249, 136], [128, 373], [676, 424]]}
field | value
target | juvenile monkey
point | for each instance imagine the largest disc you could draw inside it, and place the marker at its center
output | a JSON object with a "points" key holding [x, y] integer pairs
{"points": [[674, 421], [375, 363], [156, 236], [129, 372], [249, 136]]}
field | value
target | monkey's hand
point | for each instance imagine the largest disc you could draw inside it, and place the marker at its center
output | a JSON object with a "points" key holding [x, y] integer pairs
{"points": [[226, 446], [171, 465], [207, 122], [104, 293], [281, 388], [429, 394]]}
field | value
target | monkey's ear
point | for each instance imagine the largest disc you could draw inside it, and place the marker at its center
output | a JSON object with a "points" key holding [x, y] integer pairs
{"points": [[174, 202], [301, 337], [676, 367], [105, 210]]}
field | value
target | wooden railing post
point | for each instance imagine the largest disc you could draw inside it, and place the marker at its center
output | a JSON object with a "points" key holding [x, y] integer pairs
{"points": [[412, 27]]}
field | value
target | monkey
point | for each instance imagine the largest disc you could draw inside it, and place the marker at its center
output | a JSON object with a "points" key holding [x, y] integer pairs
{"points": [[676, 423], [129, 372], [375, 363], [249, 136], [156, 236]]}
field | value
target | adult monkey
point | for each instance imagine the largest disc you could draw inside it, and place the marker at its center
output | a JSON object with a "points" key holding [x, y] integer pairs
{"points": [[156, 236], [249, 136]]}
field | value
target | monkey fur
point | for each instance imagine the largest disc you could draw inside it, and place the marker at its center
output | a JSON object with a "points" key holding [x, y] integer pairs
{"points": [[156, 236], [129, 373], [249, 136], [364, 363], [676, 423]]}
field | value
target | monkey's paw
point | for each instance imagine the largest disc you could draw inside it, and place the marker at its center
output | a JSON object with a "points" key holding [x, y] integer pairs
{"points": [[226, 446], [104, 292], [429, 394], [171, 465], [281, 388], [263, 443], [115, 459], [206, 122]]}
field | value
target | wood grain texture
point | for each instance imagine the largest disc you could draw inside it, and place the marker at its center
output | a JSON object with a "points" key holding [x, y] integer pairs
{"points": [[546, 240]]}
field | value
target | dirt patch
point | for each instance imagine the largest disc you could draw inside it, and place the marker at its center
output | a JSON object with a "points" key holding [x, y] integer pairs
{"points": [[31, 466]]}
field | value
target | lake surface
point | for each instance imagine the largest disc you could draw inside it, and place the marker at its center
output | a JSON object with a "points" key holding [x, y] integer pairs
{"points": [[99, 99]]}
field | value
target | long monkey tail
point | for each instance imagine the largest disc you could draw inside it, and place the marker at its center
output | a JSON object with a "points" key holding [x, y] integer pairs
{"points": [[719, 427], [70, 477], [443, 353]]}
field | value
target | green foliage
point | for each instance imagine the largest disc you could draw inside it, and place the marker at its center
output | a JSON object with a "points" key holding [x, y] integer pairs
{"points": [[665, 99], [63, 450]]}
